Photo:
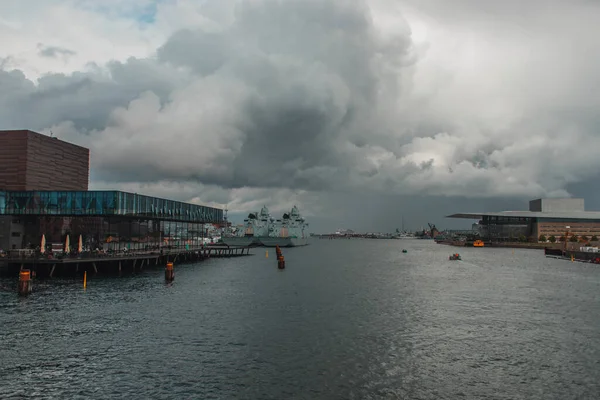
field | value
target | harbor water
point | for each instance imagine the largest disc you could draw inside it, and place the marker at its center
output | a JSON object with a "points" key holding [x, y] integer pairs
{"points": [[346, 319]]}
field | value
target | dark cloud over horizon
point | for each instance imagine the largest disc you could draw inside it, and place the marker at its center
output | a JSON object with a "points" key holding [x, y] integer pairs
{"points": [[321, 102]]}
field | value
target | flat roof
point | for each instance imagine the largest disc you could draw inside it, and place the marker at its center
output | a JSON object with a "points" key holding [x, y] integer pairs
{"points": [[29, 133], [574, 215]]}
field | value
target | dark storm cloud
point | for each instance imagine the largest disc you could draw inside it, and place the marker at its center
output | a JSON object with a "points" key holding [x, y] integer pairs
{"points": [[339, 96], [86, 99], [302, 79]]}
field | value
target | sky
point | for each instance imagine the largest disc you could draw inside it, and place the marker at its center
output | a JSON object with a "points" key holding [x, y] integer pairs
{"points": [[362, 113]]}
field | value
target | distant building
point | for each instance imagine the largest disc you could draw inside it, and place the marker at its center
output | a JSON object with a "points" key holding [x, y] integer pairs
{"points": [[548, 217], [32, 161], [43, 191]]}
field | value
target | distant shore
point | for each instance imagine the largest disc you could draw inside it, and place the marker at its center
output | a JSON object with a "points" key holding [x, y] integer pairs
{"points": [[521, 245]]}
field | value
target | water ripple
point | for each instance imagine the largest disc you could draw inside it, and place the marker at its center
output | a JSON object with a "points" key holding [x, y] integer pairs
{"points": [[345, 320]]}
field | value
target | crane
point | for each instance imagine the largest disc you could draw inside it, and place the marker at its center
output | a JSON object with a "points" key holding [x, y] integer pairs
{"points": [[433, 230]]}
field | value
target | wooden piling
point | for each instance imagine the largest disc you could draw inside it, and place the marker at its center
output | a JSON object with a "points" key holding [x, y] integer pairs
{"points": [[25, 282], [169, 272]]}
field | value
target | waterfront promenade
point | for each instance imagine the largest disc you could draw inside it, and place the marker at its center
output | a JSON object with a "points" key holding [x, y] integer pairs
{"points": [[110, 263]]}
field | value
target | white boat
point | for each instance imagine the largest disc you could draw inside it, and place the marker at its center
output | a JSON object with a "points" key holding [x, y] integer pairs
{"points": [[289, 231]]}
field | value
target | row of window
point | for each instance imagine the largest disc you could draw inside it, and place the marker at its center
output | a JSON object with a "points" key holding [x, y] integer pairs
{"points": [[496, 219], [103, 231], [104, 203]]}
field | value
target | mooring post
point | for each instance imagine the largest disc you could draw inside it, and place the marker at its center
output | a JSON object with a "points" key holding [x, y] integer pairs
{"points": [[24, 282], [169, 272], [280, 262]]}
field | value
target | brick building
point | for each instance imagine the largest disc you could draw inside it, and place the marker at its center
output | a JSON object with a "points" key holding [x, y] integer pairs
{"points": [[44, 192], [32, 161]]}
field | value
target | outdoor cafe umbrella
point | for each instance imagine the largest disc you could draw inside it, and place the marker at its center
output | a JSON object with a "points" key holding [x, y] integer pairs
{"points": [[80, 244], [43, 244], [67, 245]]}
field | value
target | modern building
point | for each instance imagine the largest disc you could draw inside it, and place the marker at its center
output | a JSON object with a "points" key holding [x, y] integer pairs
{"points": [[108, 220], [547, 217], [32, 161]]}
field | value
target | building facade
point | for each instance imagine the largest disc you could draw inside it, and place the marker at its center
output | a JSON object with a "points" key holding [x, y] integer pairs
{"points": [[108, 220], [32, 161], [558, 218], [44, 192]]}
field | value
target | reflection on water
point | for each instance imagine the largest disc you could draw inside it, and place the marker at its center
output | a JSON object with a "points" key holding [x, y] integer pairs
{"points": [[354, 319]]}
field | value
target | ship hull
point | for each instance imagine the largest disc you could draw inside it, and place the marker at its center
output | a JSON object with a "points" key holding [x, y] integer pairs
{"points": [[241, 241], [283, 241]]}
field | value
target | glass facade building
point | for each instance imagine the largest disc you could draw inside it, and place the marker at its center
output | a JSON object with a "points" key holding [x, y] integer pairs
{"points": [[108, 220], [502, 229]]}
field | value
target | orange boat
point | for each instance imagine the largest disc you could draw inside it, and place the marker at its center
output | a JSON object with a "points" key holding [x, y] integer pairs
{"points": [[478, 243]]}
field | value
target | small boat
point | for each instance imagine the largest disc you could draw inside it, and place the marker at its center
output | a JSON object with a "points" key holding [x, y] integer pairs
{"points": [[454, 257], [478, 243], [404, 251]]}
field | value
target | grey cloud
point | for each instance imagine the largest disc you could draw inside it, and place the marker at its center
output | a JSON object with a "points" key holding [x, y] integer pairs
{"points": [[54, 51], [317, 96], [85, 98]]}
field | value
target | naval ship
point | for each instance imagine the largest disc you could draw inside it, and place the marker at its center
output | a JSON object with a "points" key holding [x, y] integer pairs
{"points": [[289, 231], [260, 229], [255, 226]]}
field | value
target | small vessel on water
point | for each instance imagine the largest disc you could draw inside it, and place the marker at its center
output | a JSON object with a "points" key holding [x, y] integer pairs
{"points": [[478, 243], [454, 257]]}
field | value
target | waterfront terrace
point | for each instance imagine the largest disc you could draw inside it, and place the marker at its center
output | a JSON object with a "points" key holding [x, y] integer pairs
{"points": [[105, 220]]}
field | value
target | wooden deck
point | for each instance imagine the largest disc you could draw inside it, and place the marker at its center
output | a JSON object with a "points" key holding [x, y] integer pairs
{"points": [[116, 263]]}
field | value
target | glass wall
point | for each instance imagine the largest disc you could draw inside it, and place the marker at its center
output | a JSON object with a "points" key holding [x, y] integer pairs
{"points": [[105, 203], [505, 228], [110, 234]]}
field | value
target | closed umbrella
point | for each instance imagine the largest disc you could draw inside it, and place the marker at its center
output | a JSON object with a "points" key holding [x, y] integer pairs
{"points": [[67, 245], [43, 244], [80, 244]]}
